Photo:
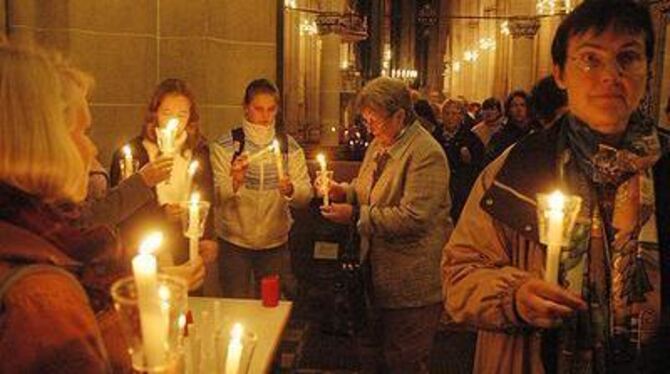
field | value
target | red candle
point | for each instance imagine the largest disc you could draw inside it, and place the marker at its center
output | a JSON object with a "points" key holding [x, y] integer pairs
{"points": [[270, 290]]}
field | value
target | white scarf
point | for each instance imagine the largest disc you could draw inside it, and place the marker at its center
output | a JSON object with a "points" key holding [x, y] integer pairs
{"points": [[259, 134]]}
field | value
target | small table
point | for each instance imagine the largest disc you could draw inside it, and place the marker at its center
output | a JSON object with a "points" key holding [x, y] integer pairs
{"points": [[267, 323]]}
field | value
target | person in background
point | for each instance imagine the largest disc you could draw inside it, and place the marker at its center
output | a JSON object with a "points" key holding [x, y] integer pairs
{"points": [[253, 219], [465, 153], [608, 311], [547, 101], [57, 313], [172, 98], [473, 114], [424, 111], [492, 120], [519, 123], [399, 203]]}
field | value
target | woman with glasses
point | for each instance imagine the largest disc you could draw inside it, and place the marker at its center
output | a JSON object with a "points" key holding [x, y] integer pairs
{"points": [[399, 204], [608, 309], [172, 100]]}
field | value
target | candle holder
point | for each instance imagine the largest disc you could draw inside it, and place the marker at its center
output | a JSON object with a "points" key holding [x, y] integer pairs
{"points": [[193, 218], [570, 210], [172, 293], [128, 171], [236, 351], [324, 177], [556, 216]]}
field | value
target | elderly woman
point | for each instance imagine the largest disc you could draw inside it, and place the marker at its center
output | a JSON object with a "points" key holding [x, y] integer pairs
{"points": [[57, 313], [400, 205], [608, 311]]}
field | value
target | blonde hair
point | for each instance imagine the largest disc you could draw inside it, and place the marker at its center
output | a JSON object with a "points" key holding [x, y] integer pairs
{"points": [[37, 154], [74, 83]]}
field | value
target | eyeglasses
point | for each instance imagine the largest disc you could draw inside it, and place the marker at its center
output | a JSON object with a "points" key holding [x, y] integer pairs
{"points": [[626, 62], [376, 122]]}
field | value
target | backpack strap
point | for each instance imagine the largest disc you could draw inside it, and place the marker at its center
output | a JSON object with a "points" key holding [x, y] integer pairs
{"points": [[238, 141]]}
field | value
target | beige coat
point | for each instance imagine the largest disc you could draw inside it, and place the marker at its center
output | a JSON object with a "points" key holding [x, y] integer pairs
{"points": [[404, 221]]}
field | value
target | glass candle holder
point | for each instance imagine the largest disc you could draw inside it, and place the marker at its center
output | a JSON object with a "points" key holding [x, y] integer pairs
{"points": [[236, 350], [193, 217], [172, 296]]}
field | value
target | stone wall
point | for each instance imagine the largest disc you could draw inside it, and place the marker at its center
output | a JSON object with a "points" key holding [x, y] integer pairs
{"points": [[129, 46]]}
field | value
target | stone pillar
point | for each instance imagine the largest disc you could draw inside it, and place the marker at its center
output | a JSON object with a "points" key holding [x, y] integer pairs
{"points": [[523, 30], [330, 89], [548, 26]]}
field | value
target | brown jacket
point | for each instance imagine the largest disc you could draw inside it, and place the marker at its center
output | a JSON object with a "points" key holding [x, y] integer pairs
{"points": [[494, 249], [47, 324]]}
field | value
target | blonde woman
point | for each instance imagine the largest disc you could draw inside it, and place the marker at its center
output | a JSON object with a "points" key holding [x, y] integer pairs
{"points": [[45, 263]]}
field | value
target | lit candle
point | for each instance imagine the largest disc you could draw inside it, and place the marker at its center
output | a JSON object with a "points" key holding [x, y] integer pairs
{"points": [[128, 169], [167, 136], [152, 321], [321, 159], [192, 168], [555, 218], [234, 350], [278, 159], [193, 225]]}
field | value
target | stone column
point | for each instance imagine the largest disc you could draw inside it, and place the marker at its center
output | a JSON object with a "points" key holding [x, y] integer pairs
{"points": [[331, 85], [523, 30]]}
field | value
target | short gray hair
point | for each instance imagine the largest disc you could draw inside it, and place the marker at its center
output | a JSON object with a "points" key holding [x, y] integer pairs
{"points": [[386, 94]]}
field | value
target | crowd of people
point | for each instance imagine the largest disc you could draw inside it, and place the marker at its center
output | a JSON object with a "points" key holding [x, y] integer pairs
{"points": [[444, 208]]}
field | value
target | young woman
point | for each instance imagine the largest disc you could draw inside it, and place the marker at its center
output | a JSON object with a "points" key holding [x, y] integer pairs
{"points": [[172, 99]]}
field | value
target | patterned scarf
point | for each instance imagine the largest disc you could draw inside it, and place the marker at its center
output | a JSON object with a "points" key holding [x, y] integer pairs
{"points": [[613, 259], [95, 248]]}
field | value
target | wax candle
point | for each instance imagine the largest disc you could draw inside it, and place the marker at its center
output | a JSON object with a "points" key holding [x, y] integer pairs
{"points": [[321, 159], [192, 169], [193, 225], [278, 158], [555, 215], [152, 320], [234, 350], [128, 169]]}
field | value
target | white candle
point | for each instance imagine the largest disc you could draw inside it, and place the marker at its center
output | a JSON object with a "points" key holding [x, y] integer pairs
{"points": [[152, 322], [192, 168], [127, 161], [234, 350], [555, 218], [193, 225], [321, 159], [167, 136], [278, 158]]}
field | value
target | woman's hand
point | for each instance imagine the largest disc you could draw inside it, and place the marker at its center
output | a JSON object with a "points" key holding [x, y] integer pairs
{"points": [[173, 212], [193, 272], [544, 304], [238, 170], [157, 171], [338, 213], [209, 250], [285, 186]]}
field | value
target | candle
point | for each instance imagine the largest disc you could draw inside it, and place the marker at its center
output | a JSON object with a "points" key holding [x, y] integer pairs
{"points": [[166, 136], [278, 159], [193, 225], [234, 350], [192, 168], [152, 322], [555, 218], [128, 169], [321, 159]]}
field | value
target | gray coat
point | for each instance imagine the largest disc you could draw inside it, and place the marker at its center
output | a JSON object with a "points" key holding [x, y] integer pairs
{"points": [[404, 221]]}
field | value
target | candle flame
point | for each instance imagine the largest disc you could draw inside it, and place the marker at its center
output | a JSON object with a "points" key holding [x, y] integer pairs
{"points": [[321, 159], [195, 198], [164, 293], [126, 151], [236, 332], [181, 321], [557, 201], [172, 124], [151, 242], [193, 167]]}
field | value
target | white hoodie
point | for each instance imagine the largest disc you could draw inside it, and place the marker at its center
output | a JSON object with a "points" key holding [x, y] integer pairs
{"points": [[257, 216]]}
